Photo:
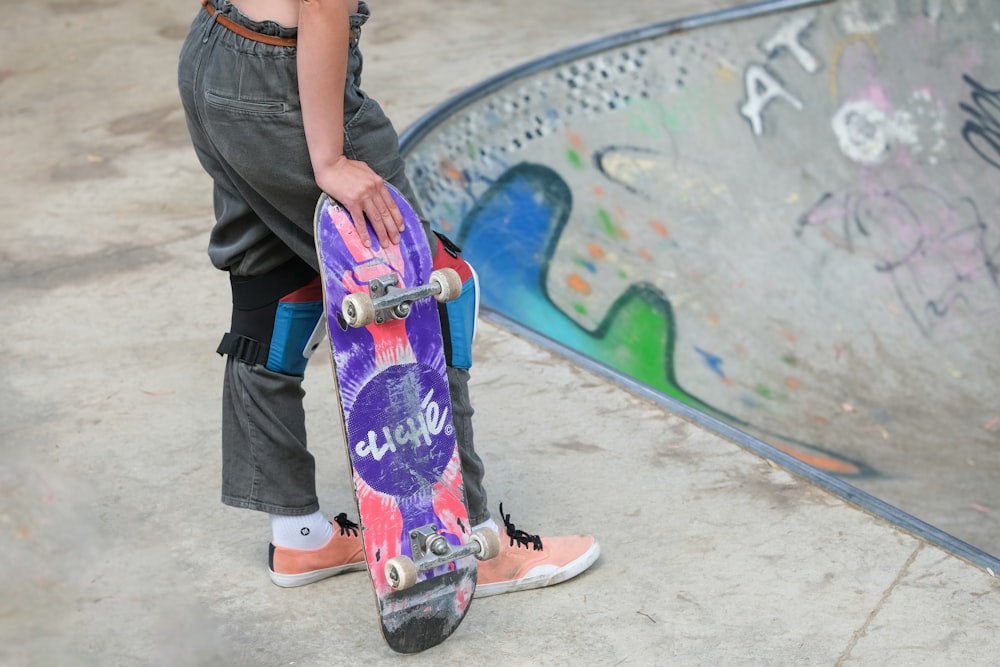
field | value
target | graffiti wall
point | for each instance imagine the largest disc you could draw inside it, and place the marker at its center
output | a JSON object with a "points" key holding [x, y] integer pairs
{"points": [[787, 220]]}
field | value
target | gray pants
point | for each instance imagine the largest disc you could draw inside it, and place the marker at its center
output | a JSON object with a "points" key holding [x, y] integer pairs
{"points": [[241, 103]]}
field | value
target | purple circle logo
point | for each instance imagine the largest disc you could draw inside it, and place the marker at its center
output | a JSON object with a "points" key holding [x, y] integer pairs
{"points": [[400, 431]]}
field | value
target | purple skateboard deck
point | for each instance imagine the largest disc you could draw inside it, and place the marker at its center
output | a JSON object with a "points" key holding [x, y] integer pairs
{"points": [[396, 413]]}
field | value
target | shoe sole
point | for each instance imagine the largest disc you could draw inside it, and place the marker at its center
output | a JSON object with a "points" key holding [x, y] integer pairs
{"points": [[542, 576], [295, 580]]}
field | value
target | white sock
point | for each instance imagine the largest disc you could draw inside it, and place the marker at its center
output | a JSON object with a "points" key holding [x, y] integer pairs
{"points": [[309, 531]]}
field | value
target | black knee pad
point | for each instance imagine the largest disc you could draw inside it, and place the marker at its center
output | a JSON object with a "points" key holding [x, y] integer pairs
{"points": [[274, 319]]}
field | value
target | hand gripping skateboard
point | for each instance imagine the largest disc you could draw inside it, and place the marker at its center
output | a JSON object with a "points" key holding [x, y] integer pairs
{"points": [[389, 367]]}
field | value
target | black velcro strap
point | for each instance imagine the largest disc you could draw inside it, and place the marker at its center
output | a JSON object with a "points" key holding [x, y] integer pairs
{"points": [[245, 349], [445, 331], [450, 246]]}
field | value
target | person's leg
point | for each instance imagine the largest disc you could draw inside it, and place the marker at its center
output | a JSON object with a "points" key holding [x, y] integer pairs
{"points": [[266, 464], [525, 561]]}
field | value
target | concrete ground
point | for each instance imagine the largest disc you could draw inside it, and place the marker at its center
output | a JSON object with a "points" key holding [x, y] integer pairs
{"points": [[114, 546]]}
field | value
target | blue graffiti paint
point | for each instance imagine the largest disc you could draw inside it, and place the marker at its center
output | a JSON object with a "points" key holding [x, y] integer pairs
{"points": [[712, 361]]}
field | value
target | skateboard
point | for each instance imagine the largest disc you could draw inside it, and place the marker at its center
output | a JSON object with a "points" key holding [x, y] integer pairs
{"points": [[389, 368]]}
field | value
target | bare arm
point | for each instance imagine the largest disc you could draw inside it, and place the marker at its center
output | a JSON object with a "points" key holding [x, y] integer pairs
{"points": [[322, 70]]}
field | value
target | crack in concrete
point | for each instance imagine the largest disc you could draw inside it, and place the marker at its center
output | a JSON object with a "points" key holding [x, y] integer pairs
{"points": [[863, 630]]}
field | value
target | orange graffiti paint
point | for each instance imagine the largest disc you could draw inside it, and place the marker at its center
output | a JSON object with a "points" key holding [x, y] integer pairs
{"points": [[792, 383], [450, 171], [827, 463], [645, 254], [578, 284], [660, 228], [596, 251]]}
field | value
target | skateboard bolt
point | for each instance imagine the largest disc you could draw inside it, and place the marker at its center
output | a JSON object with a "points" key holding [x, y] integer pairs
{"points": [[439, 546]]}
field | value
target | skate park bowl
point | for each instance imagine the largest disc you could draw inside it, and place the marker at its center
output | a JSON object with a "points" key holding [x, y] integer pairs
{"points": [[778, 220]]}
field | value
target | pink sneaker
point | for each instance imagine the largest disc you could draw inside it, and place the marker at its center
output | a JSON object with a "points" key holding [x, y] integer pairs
{"points": [[298, 567], [530, 561]]}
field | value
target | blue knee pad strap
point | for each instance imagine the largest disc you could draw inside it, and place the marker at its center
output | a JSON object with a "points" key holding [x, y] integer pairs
{"points": [[460, 316]]}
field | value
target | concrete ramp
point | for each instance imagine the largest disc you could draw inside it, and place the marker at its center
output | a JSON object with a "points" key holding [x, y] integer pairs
{"points": [[780, 220]]}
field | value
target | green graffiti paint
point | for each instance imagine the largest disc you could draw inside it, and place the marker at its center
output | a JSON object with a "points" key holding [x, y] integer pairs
{"points": [[689, 106], [766, 392], [637, 343], [606, 224], [649, 118], [636, 338], [574, 159]]}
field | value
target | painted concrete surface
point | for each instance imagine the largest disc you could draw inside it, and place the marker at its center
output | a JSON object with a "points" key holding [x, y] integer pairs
{"points": [[787, 221], [113, 545]]}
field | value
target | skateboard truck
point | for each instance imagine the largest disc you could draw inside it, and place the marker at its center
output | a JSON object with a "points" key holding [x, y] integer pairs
{"points": [[387, 301], [431, 549]]}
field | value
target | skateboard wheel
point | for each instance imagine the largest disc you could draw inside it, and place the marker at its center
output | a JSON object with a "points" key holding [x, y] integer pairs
{"points": [[450, 283], [358, 310], [489, 543], [401, 572]]}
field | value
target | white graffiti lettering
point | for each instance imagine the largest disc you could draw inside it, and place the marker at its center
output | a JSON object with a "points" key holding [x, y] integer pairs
{"points": [[789, 37], [865, 133], [762, 88], [413, 431], [860, 130]]}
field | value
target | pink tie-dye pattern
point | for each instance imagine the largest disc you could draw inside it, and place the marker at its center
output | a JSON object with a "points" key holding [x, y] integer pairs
{"points": [[381, 537]]}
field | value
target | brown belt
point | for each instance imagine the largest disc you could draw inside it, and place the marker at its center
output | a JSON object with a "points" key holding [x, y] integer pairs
{"points": [[243, 31]]}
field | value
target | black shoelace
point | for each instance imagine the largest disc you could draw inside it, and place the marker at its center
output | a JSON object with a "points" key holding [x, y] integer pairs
{"points": [[521, 538], [347, 527]]}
